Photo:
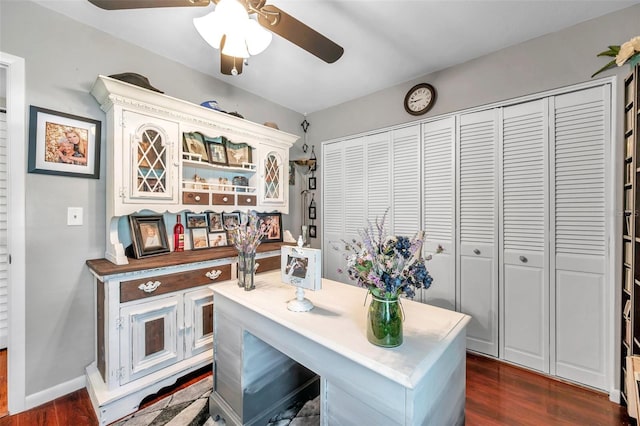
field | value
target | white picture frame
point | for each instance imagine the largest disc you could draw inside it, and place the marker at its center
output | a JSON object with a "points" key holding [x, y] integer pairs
{"points": [[301, 267]]}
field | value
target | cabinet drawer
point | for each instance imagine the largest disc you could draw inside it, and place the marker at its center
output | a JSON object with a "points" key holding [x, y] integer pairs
{"points": [[223, 199], [268, 264], [199, 198], [135, 289], [246, 200]]}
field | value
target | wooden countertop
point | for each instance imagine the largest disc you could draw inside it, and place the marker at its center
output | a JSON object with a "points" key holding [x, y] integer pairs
{"points": [[103, 267]]}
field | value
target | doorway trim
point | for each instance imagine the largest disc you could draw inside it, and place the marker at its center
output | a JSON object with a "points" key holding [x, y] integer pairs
{"points": [[16, 137]]}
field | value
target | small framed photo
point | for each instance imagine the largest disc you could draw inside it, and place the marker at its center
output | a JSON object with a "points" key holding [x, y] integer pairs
{"points": [[272, 224], [312, 231], [215, 222], [301, 266], [312, 183], [312, 212], [199, 238], [216, 150], [292, 173], [193, 143], [238, 154], [63, 144], [196, 220], [217, 239], [231, 220], [148, 235]]}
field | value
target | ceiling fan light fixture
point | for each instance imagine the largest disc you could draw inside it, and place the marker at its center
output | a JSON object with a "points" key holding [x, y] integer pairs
{"points": [[235, 45], [210, 28], [258, 39]]}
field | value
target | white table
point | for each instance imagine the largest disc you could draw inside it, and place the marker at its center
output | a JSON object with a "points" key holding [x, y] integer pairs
{"points": [[257, 341]]}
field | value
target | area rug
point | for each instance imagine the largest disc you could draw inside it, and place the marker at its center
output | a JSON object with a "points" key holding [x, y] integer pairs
{"points": [[190, 407]]}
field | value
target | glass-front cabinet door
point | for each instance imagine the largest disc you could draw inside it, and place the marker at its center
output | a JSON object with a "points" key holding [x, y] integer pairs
{"points": [[272, 172], [150, 165]]}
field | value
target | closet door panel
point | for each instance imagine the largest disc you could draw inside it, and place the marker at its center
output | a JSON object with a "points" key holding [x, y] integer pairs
{"points": [[354, 188], [581, 292], [333, 210], [438, 205], [478, 221], [378, 172], [406, 166], [524, 242]]}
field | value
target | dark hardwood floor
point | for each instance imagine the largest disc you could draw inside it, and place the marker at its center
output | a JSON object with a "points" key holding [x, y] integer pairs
{"points": [[497, 394]]}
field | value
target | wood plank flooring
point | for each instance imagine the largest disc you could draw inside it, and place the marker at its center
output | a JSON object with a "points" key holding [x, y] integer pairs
{"points": [[497, 394]]}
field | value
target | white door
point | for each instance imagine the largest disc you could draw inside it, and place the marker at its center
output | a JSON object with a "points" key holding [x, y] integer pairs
{"points": [[378, 173], [524, 235], [438, 191], [478, 228], [151, 337], [4, 242], [354, 187], [198, 321], [333, 211], [579, 255], [406, 209]]}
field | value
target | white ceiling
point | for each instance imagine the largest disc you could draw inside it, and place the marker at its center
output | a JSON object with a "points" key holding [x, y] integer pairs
{"points": [[385, 42]]}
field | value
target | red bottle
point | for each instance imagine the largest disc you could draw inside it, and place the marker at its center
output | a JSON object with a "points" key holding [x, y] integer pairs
{"points": [[178, 235]]}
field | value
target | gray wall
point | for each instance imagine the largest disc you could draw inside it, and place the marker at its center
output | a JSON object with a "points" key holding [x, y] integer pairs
{"points": [[63, 59], [548, 62]]}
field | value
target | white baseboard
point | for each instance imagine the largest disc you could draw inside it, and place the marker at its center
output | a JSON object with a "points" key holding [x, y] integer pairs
{"points": [[44, 396], [614, 396]]}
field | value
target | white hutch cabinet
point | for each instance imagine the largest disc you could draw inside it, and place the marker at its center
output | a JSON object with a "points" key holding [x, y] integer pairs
{"points": [[147, 168]]}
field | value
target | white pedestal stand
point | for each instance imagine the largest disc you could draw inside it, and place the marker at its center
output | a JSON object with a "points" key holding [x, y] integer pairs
{"points": [[300, 304]]}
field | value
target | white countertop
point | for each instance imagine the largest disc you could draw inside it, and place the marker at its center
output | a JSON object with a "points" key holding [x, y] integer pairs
{"points": [[338, 322]]}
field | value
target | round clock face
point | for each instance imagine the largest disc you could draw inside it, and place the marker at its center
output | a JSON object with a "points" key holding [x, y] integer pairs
{"points": [[419, 99]]}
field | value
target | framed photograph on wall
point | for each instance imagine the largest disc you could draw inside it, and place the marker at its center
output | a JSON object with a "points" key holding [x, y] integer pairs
{"points": [[312, 183], [148, 235], [216, 150], [312, 231], [199, 238], [215, 222], [63, 144], [196, 220], [272, 223]]}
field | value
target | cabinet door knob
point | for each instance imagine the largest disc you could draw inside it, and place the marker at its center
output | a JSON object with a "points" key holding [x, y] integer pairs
{"points": [[476, 251], [213, 274], [523, 259], [150, 286], [248, 200], [225, 199], [197, 198]]}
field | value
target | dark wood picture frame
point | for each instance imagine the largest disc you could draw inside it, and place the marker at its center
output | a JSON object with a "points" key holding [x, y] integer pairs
{"points": [[199, 238], [215, 222], [273, 224], [148, 235], [238, 154], [312, 231], [63, 144], [217, 150], [196, 220], [312, 183]]}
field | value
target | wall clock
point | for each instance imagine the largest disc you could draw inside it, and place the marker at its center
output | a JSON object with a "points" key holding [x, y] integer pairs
{"points": [[420, 99]]}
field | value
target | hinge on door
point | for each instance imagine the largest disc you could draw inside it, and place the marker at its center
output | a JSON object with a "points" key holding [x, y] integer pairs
{"points": [[120, 372], [119, 322], [121, 192]]}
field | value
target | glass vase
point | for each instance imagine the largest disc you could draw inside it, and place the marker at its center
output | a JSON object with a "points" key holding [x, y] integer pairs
{"points": [[384, 322], [246, 270]]}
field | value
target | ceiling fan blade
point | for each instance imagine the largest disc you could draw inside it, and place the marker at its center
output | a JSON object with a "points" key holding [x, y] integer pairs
{"points": [[144, 4], [288, 27], [227, 63]]}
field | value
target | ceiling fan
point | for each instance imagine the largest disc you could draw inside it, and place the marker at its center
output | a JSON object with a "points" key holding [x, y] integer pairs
{"points": [[269, 17]]}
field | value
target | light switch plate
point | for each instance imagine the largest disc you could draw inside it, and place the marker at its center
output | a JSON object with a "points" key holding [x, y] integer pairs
{"points": [[74, 216]]}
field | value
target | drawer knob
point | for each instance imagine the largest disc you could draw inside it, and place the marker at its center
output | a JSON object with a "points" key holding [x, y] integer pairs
{"points": [[248, 200], [523, 259], [476, 251], [149, 287], [225, 199], [197, 198], [213, 274]]}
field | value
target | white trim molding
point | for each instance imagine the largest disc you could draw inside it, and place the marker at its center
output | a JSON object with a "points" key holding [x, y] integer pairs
{"points": [[54, 392]]}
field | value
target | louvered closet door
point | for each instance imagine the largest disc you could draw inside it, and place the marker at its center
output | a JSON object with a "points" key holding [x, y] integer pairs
{"points": [[438, 148], [478, 228], [333, 210], [405, 151], [354, 187], [378, 176], [581, 291], [524, 260]]}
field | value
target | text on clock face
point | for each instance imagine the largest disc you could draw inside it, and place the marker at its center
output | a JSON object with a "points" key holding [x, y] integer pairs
{"points": [[420, 98]]}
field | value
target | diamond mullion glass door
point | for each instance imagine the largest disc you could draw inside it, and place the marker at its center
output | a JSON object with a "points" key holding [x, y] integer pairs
{"points": [[272, 177]]}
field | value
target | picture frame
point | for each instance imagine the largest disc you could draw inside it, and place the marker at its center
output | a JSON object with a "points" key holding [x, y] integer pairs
{"points": [[230, 219], [199, 238], [215, 222], [312, 183], [148, 235], [218, 239], [238, 154], [301, 267], [312, 212], [312, 231], [193, 143], [272, 222], [63, 144], [216, 150], [196, 220], [292, 173]]}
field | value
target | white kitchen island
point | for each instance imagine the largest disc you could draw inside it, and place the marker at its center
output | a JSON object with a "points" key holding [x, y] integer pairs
{"points": [[260, 348]]}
